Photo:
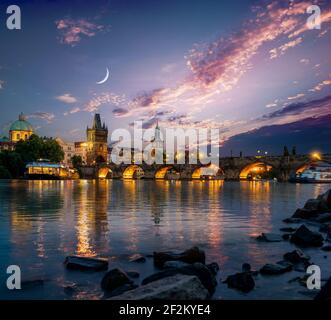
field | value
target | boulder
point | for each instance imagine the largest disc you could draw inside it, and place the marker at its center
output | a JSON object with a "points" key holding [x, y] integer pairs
{"points": [[312, 205], [133, 274], [120, 290], [296, 256], [326, 200], [306, 238], [269, 237], [85, 263], [177, 287], [189, 256], [213, 268], [292, 220], [138, 258], [241, 281], [197, 269], [277, 268], [325, 293], [326, 248], [324, 217], [304, 214], [114, 279], [289, 229], [286, 236], [175, 264]]}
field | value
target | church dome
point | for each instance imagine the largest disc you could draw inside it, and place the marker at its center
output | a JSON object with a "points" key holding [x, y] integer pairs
{"points": [[21, 124]]}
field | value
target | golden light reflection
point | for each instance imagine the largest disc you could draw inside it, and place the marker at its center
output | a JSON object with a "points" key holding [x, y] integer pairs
{"points": [[133, 172], [254, 171]]}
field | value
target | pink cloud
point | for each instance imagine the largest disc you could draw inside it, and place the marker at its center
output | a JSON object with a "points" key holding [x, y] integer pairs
{"points": [[72, 31]]}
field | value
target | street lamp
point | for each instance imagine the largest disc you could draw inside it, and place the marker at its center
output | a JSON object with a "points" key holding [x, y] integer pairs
{"points": [[316, 156]]}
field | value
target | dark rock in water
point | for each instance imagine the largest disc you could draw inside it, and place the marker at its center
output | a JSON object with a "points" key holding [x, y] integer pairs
{"points": [[269, 237], [277, 268], [306, 238], [177, 287], [241, 281], [324, 217], [138, 258], [175, 264], [286, 236], [326, 248], [301, 280], [120, 290], [292, 220], [133, 274], [246, 267], [325, 293], [114, 279], [189, 256], [326, 200], [304, 214], [312, 205], [213, 268], [289, 229], [296, 256], [85, 263], [197, 269], [326, 228]]}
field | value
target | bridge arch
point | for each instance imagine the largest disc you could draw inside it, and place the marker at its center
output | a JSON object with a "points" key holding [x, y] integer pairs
{"points": [[133, 172], [255, 171], [163, 173], [211, 171], [105, 173]]}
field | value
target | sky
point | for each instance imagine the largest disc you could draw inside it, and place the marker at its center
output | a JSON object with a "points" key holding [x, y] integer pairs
{"points": [[249, 68]]}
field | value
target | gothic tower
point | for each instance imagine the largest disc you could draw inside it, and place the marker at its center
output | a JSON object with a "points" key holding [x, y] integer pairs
{"points": [[97, 136]]}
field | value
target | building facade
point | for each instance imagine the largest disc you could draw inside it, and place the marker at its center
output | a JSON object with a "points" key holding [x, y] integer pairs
{"points": [[68, 149], [97, 137], [81, 150]]}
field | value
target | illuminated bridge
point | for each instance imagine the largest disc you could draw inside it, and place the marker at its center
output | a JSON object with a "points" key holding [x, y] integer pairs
{"points": [[231, 168]]}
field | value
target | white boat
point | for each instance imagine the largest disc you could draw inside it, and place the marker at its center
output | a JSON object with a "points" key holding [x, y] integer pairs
{"points": [[317, 172]]}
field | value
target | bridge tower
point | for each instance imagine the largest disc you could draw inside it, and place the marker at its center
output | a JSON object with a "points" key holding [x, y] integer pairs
{"points": [[97, 137]]}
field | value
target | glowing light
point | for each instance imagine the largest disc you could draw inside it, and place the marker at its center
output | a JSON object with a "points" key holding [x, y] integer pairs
{"points": [[316, 156]]}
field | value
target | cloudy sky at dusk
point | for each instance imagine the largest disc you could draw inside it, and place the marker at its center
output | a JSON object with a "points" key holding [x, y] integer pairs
{"points": [[241, 66]]}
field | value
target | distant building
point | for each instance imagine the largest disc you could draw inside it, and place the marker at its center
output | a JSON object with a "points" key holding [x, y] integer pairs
{"points": [[97, 137], [68, 149], [6, 144], [20, 129], [81, 150]]}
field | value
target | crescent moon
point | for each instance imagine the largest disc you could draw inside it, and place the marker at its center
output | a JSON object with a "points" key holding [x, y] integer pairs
{"points": [[105, 79]]}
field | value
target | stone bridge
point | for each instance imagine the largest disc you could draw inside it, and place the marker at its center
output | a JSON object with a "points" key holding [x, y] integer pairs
{"points": [[231, 168]]}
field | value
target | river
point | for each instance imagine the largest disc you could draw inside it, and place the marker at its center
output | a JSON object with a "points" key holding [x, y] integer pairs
{"points": [[41, 222]]}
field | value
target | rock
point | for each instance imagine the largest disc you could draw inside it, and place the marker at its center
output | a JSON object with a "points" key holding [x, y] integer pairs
{"points": [[326, 228], [177, 287], [114, 279], [120, 290], [326, 200], [85, 263], [133, 274], [275, 269], [197, 269], [304, 214], [296, 256], [312, 205], [306, 238], [324, 217], [292, 220], [241, 281], [213, 268], [286, 236], [326, 248], [301, 280], [138, 258], [325, 293], [269, 237], [189, 256], [175, 264], [246, 267], [290, 230]]}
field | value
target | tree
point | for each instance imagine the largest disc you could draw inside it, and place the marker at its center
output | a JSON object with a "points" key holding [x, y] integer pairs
{"points": [[77, 161], [4, 173], [294, 151], [13, 163], [39, 148]]}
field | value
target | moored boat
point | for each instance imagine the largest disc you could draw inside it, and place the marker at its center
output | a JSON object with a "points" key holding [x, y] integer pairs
{"points": [[316, 172]]}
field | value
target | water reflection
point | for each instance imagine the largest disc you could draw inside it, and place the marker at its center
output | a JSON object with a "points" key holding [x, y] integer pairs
{"points": [[43, 221]]}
